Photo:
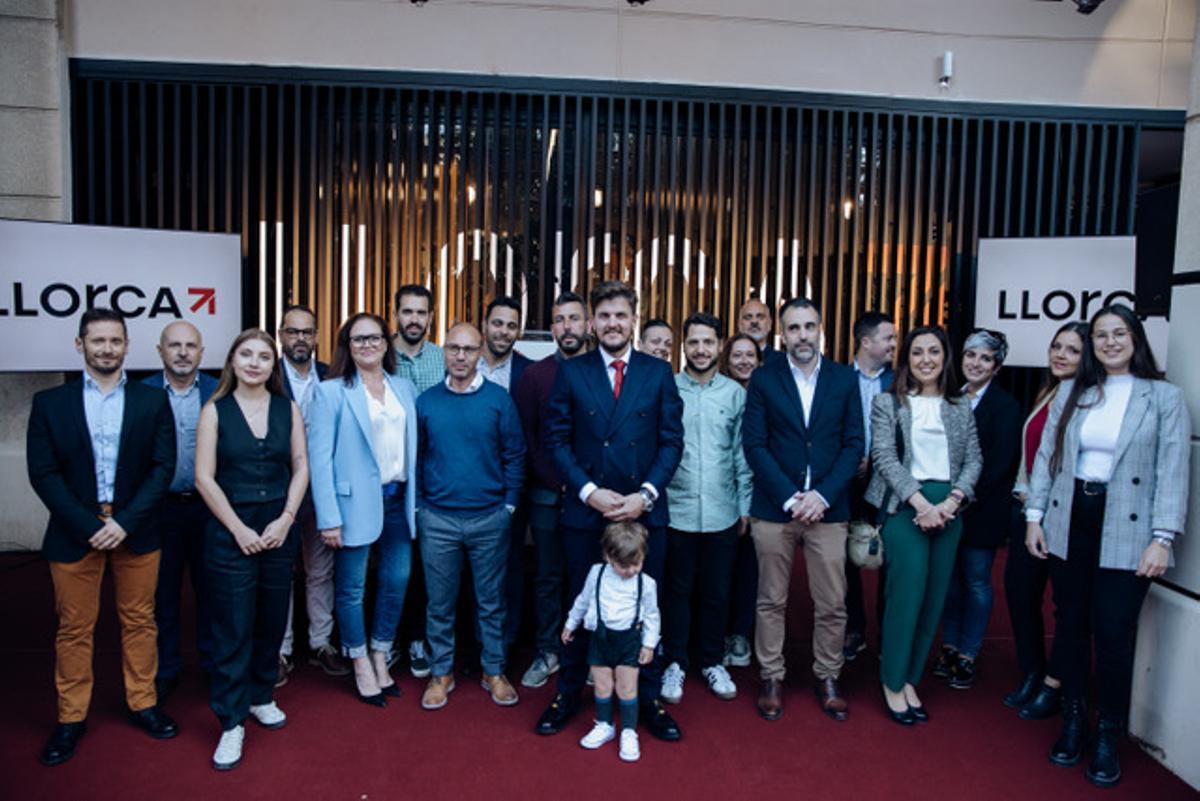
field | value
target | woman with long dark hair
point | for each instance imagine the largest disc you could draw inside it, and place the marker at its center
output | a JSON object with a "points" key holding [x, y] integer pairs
{"points": [[1107, 499], [252, 471], [926, 459], [1025, 578], [363, 429]]}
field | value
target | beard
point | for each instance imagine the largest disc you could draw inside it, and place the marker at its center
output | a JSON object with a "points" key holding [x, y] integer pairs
{"points": [[575, 345]]}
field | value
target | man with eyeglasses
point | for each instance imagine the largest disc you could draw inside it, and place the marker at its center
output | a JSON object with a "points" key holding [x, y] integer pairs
{"points": [[301, 374], [471, 464]]}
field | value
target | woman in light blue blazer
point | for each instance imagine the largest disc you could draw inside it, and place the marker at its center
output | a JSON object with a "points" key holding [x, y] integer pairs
{"points": [[1107, 499], [362, 433]]}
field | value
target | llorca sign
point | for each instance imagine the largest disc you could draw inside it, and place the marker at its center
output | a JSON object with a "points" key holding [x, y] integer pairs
{"points": [[1028, 288], [50, 273]]}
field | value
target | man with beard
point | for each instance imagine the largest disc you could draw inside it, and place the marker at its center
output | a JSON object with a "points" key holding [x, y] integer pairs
{"points": [[499, 363], [301, 374], [803, 435], [182, 515], [569, 326], [709, 509], [417, 359], [754, 320], [615, 429], [101, 454], [657, 339]]}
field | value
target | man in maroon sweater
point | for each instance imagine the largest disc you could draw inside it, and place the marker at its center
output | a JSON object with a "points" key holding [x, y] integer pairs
{"points": [[569, 325]]}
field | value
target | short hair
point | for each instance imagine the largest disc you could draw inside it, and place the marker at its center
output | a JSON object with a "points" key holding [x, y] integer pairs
{"points": [[502, 301], [568, 297], [624, 543], [607, 290], [101, 314], [868, 324], [297, 307], [702, 318], [753, 299], [800, 302], [413, 289], [995, 341], [657, 322]]}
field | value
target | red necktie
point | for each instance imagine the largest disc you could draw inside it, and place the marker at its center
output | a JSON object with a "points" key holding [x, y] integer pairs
{"points": [[619, 378]]}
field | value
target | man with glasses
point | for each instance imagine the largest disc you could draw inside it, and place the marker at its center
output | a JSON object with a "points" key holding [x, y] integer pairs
{"points": [[301, 374]]}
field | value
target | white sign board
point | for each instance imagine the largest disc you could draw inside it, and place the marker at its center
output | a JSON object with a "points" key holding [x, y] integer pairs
{"points": [[50, 273], [1028, 288]]}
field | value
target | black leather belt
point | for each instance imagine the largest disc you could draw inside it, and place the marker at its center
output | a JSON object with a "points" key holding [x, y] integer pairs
{"points": [[1091, 487]]}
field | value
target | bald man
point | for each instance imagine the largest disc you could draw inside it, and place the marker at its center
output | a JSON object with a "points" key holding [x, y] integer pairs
{"points": [[471, 464], [183, 516]]}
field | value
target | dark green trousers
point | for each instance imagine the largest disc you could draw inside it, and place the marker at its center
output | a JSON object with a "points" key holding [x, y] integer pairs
{"points": [[919, 567]]}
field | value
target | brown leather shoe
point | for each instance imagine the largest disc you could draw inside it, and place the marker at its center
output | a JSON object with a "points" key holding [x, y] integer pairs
{"points": [[437, 692], [501, 690], [829, 695], [328, 660], [770, 699]]}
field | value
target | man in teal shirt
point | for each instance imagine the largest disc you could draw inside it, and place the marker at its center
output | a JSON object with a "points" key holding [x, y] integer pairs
{"points": [[709, 501]]}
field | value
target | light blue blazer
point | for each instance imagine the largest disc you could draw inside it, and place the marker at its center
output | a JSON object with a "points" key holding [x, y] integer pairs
{"points": [[345, 473]]}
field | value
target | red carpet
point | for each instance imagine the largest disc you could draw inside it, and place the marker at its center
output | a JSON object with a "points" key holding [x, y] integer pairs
{"points": [[336, 748]]}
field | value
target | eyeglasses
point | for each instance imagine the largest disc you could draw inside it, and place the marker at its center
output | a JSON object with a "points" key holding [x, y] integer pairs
{"points": [[465, 350], [366, 340], [301, 333]]}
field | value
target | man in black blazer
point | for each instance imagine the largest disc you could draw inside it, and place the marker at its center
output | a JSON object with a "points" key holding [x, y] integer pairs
{"points": [[615, 429], [101, 454], [803, 436]]}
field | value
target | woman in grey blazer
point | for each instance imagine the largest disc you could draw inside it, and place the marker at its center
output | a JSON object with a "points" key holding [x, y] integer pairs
{"points": [[922, 478], [1107, 499]]}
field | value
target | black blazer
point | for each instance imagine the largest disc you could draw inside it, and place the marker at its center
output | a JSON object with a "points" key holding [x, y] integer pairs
{"points": [[322, 369], [616, 444], [58, 451], [520, 362], [781, 448], [987, 521]]}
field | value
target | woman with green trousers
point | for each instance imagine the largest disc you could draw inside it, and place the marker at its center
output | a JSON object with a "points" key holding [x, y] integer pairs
{"points": [[926, 457]]}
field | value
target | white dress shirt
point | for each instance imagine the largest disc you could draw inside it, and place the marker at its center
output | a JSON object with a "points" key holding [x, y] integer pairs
{"points": [[618, 604], [302, 385]]}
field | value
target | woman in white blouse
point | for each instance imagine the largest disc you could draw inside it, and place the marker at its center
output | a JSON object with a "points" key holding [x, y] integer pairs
{"points": [[362, 428], [1107, 499]]}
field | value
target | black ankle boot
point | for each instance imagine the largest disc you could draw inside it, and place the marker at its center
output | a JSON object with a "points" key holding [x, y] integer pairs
{"points": [[1045, 703], [1025, 692], [1105, 770], [1068, 749]]}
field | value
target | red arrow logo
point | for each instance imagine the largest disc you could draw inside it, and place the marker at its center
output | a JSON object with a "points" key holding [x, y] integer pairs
{"points": [[205, 295]]}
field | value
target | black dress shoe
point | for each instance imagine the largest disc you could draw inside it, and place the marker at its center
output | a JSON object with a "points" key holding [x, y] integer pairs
{"points": [[63, 740], [154, 722], [918, 713], [1046, 703], [1025, 692], [558, 714], [1105, 768], [661, 724], [1068, 748]]}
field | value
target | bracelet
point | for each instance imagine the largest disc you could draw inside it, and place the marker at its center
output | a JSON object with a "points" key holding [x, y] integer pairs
{"points": [[1164, 542]]}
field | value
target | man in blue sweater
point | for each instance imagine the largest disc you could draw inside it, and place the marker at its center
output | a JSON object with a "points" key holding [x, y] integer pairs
{"points": [[471, 461]]}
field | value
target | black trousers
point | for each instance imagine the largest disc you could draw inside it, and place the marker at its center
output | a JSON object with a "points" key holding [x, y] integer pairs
{"points": [[699, 566], [548, 584], [1095, 604], [249, 604], [582, 550], [182, 520], [1025, 580]]}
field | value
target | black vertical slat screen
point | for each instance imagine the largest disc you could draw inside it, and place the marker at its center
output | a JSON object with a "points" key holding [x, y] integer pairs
{"points": [[344, 188]]}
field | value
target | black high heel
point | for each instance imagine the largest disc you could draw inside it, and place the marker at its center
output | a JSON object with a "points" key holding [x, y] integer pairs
{"points": [[919, 714], [374, 700], [391, 691], [904, 718]]}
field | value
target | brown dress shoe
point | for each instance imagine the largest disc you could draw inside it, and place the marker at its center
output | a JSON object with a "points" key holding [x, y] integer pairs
{"points": [[829, 695], [437, 692], [770, 699], [328, 660], [501, 690]]}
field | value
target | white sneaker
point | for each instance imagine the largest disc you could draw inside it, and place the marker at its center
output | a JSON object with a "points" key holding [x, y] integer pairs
{"points": [[269, 716], [672, 685], [720, 682], [630, 750], [600, 734], [229, 749]]}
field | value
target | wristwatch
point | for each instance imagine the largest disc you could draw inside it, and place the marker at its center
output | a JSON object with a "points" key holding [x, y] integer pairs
{"points": [[1165, 542], [648, 498]]}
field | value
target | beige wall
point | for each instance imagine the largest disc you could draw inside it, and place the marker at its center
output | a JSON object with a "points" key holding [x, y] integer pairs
{"points": [[1132, 53]]}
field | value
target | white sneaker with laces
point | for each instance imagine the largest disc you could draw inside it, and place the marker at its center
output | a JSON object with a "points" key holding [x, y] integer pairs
{"points": [[720, 682], [630, 750], [269, 716], [672, 684], [600, 734], [229, 749]]}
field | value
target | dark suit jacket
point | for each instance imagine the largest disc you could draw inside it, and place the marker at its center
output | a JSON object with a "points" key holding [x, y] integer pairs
{"points": [[987, 521], [322, 369], [62, 470], [518, 368], [619, 445], [780, 447], [208, 384]]}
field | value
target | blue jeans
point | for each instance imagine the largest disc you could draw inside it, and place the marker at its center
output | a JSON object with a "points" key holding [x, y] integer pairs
{"points": [[483, 538], [969, 601], [350, 578]]}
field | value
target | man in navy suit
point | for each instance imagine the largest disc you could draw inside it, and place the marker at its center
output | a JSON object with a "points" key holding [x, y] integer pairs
{"points": [[803, 436], [615, 428], [875, 347], [183, 515]]}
